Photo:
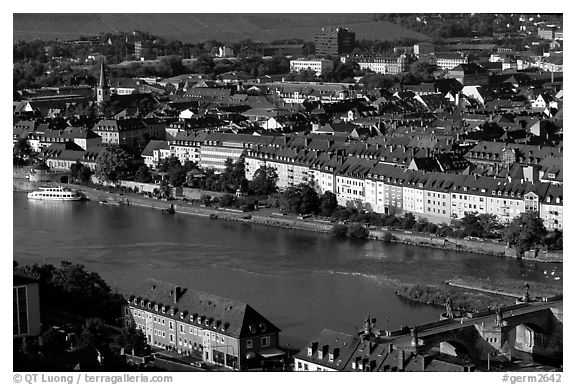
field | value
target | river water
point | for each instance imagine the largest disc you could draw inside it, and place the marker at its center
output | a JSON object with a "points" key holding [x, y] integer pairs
{"points": [[303, 282]]}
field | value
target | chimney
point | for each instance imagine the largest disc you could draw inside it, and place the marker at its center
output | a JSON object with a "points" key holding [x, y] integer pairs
{"points": [[177, 292], [401, 360]]}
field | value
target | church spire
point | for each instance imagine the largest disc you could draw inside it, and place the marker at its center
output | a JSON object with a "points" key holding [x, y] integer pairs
{"points": [[102, 91], [103, 82]]}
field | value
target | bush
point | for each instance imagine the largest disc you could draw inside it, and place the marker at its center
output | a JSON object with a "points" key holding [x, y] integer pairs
{"points": [[388, 237], [339, 230], [356, 230]]}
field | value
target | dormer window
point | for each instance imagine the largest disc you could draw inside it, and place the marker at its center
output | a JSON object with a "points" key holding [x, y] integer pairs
{"points": [[155, 307], [252, 329], [163, 309]]}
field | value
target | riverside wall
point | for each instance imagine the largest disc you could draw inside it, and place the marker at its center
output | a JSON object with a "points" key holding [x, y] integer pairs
{"points": [[409, 238]]}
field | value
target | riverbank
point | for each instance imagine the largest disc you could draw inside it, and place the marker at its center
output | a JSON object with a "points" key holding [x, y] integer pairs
{"points": [[489, 247], [268, 219]]}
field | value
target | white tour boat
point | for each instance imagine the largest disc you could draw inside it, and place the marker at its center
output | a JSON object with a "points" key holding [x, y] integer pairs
{"points": [[56, 194]]}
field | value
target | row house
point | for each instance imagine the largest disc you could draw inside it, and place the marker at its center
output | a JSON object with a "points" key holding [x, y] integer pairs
{"points": [[384, 186], [350, 180], [500, 153], [551, 207], [292, 166], [323, 172], [413, 192], [216, 330], [390, 189]]}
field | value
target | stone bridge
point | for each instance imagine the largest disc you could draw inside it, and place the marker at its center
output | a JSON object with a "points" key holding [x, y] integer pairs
{"points": [[532, 329]]}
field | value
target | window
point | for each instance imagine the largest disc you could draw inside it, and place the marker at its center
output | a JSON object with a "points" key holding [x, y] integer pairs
{"points": [[265, 341], [248, 344], [171, 337], [181, 328], [171, 325]]}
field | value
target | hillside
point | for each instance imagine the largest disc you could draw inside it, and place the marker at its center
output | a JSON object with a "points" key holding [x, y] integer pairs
{"points": [[201, 27]]}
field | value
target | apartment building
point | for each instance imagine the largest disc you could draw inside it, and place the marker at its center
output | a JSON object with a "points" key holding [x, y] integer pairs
{"points": [[214, 329]]}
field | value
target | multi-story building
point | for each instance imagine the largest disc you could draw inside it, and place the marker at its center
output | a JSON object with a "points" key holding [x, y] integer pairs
{"points": [[214, 329], [384, 188], [391, 65], [154, 152], [368, 352], [122, 132], [350, 180], [469, 74], [316, 65], [449, 60], [26, 307], [60, 156], [83, 137], [186, 146], [413, 191], [334, 41], [218, 147], [423, 49], [551, 207]]}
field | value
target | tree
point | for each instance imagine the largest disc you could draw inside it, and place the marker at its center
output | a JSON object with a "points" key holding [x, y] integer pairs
{"points": [[93, 335], [264, 181], [22, 152], [525, 231], [132, 340], [328, 203], [408, 221], [310, 201], [301, 199], [143, 174], [112, 164], [80, 172]]}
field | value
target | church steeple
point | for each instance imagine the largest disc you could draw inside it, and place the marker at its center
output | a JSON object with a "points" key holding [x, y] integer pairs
{"points": [[102, 91]]}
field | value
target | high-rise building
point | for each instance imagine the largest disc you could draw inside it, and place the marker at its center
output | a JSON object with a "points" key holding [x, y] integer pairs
{"points": [[334, 41], [138, 50]]}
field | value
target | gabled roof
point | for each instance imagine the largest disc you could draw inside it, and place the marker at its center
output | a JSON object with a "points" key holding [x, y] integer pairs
{"points": [[230, 317], [155, 145]]}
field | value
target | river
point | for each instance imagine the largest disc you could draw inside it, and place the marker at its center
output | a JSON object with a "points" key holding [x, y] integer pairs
{"points": [[303, 282]]}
